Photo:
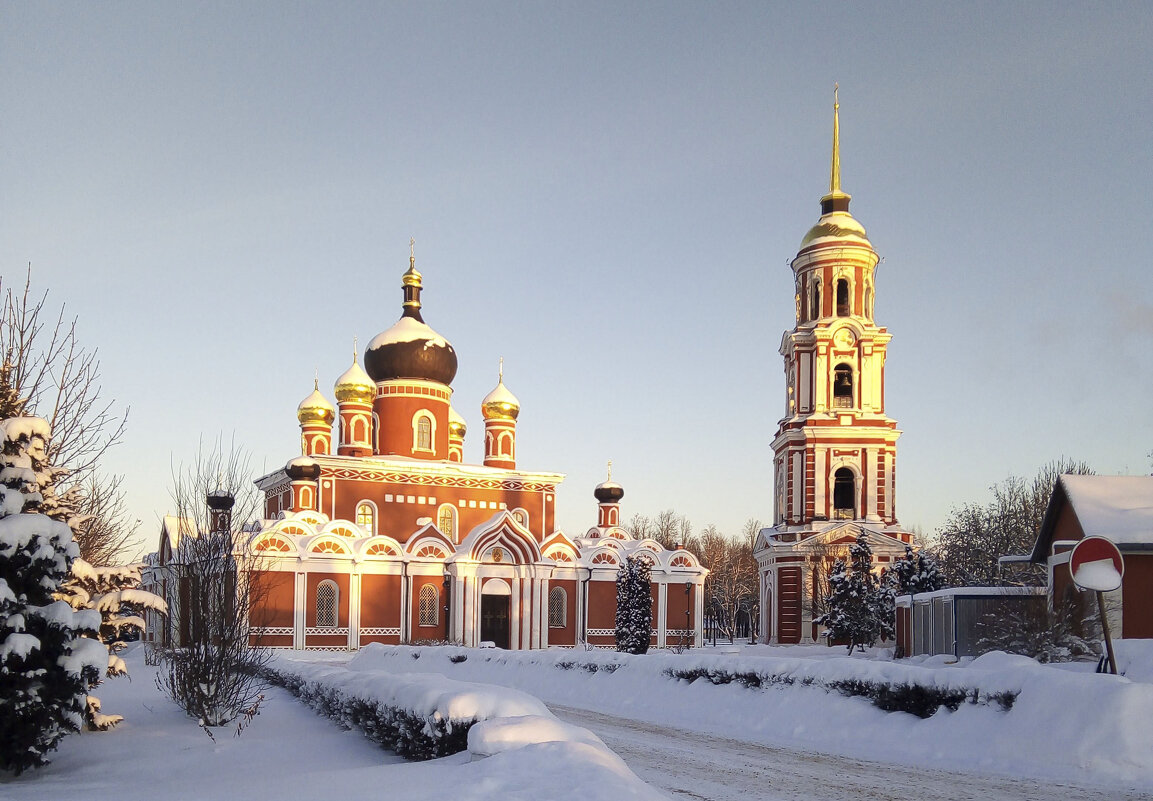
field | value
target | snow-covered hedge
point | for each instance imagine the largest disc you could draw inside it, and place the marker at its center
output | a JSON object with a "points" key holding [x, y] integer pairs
{"points": [[416, 715], [922, 700]]}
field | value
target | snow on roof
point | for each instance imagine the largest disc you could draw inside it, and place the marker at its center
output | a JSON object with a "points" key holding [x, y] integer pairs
{"points": [[301, 461], [408, 329], [355, 376], [501, 394], [1119, 508], [315, 401]]}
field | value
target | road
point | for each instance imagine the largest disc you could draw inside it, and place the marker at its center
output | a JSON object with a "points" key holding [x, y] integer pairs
{"points": [[690, 765]]}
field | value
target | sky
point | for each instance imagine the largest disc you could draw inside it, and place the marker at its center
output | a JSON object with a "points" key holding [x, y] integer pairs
{"points": [[606, 195]]}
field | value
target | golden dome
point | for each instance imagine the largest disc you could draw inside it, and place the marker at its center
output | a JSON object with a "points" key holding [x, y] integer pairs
{"points": [[355, 385], [500, 404], [836, 225], [315, 408], [456, 424]]}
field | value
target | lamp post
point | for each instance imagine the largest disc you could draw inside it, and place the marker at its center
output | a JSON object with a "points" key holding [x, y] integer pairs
{"points": [[447, 604]]}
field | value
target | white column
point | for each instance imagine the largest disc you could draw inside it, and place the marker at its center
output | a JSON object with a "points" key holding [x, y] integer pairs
{"points": [[299, 598], [527, 613], [699, 612], [662, 612], [540, 619], [353, 611]]}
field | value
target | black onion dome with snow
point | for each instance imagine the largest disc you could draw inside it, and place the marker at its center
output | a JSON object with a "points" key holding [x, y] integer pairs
{"points": [[609, 492], [410, 349]]}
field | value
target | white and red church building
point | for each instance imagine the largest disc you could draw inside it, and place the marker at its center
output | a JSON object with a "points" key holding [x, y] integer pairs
{"points": [[835, 450], [381, 532]]}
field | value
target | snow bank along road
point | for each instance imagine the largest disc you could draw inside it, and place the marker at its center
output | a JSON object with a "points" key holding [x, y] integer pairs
{"points": [[690, 765]]}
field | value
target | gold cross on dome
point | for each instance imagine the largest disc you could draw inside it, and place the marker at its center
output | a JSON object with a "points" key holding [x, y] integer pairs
{"points": [[610, 470]]}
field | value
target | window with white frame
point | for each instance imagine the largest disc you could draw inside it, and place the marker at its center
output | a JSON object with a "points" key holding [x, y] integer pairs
{"points": [[366, 516], [446, 521], [423, 431], [428, 606], [557, 608], [327, 594]]}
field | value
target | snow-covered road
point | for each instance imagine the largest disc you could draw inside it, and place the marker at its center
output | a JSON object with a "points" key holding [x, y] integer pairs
{"points": [[691, 765]]}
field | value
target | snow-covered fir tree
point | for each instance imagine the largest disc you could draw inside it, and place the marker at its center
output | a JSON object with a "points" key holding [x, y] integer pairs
{"points": [[634, 605], [46, 663], [855, 604], [916, 572], [115, 593]]}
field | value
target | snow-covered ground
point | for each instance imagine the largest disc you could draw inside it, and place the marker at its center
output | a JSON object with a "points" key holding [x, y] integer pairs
{"points": [[1067, 724], [1067, 727], [289, 752]]}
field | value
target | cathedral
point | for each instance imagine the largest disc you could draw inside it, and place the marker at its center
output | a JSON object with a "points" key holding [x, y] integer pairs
{"points": [[835, 451], [380, 531]]}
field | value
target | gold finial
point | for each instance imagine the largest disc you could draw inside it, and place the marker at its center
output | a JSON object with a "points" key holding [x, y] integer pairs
{"points": [[835, 173], [610, 478], [316, 380], [355, 348], [412, 253], [500, 371]]}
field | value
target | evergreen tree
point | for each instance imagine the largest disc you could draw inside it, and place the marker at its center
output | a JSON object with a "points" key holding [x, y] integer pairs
{"points": [[914, 573], [45, 661], [855, 604], [634, 605], [115, 593]]}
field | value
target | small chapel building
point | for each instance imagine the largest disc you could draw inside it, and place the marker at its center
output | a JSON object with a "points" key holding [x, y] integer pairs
{"points": [[835, 451], [381, 532]]}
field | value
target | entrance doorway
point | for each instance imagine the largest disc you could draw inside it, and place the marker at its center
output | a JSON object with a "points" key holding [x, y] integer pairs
{"points": [[495, 611]]}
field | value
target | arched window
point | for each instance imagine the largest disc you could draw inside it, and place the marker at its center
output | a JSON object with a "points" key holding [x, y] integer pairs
{"points": [[520, 516], [504, 444], [429, 606], [366, 516], [422, 433], [557, 608], [359, 429], [869, 302], [446, 520], [816, 301], [844, 494], [327, 594], [843, 298], [843, 387]]}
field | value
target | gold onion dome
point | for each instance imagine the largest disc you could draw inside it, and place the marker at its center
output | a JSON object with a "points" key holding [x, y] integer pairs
{"points": [[355, 384], [410, 348], [836, 223], [456, 424], [315, 408], [500, 404]]}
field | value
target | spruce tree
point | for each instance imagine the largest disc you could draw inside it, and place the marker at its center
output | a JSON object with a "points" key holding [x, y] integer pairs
{"points": [[46, 663], [855, 604], [634, 617]]}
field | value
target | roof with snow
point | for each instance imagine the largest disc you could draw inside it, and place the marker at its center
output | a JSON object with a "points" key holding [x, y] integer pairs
{"points": [[1119, 508]]}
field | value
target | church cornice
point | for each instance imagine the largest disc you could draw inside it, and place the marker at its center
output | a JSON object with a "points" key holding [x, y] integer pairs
{"points": [[418, 472]]}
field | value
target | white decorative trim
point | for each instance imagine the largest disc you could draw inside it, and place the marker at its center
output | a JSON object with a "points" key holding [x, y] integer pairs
{"points": [[313, 631], [271, 631], [378, 631], [602, 632], [326, 648]]}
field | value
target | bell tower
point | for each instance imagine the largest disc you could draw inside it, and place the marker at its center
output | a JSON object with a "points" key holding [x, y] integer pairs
{"points": [[835, 452], [835, 449]]}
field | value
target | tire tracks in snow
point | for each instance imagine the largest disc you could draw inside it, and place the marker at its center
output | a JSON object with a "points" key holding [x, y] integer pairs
{"points": [[692, 765]]}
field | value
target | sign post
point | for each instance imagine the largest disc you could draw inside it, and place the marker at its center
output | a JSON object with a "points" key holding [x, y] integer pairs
{"points": [[1096, 564]]}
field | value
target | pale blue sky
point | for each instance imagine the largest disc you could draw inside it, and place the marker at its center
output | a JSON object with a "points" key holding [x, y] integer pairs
{"points": [[607, 195]]}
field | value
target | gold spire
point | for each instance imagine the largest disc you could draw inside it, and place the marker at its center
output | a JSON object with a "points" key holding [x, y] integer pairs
{"points": [[316, 379], [412, 284], [836, 200], [355, 348], [610, 478], [500, 370], [835, 173]]}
